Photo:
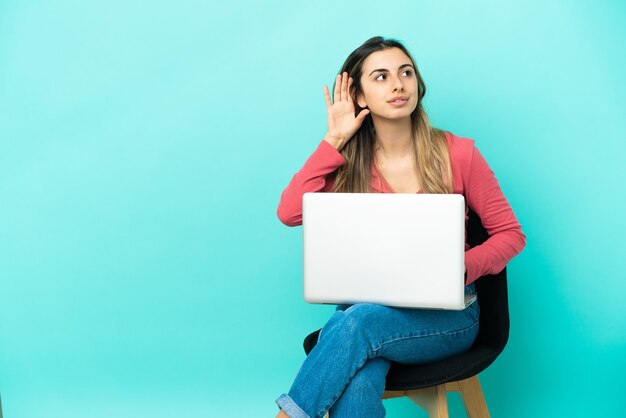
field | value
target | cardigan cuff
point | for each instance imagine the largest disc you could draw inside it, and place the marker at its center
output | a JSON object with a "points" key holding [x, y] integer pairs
{"points": [[470, 270], [330, 154]]}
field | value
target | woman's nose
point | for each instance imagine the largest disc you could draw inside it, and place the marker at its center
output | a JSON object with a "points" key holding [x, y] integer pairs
{"points": [[398, 85]]}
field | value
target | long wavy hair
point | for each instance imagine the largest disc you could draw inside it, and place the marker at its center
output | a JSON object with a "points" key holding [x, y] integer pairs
{"points": [[432, 156]]}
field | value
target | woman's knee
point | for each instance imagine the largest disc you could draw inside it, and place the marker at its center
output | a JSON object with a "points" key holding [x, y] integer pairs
{"points": [[362, 316], [357, 321]]}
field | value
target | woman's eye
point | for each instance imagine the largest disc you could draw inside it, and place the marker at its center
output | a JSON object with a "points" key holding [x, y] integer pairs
{"points": [[407, 72]]}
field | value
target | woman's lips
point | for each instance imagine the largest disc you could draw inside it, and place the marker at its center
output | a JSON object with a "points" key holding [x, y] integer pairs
{"points": [[398, 102]]}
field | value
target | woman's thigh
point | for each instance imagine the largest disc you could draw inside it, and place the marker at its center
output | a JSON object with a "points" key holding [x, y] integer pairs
{"points": [[413, 336]]}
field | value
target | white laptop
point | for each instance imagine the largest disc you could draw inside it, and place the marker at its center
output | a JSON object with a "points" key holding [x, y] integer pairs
{"points": [[394, 249]]}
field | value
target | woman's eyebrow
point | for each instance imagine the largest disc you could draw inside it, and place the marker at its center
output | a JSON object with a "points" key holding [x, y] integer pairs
{"points": [[384, 69]]}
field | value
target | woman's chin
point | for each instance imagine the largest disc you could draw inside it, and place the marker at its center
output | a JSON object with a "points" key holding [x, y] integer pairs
{"points": [[393, 116]]}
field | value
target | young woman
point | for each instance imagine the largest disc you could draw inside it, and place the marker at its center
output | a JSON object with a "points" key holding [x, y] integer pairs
{"points": [[379, 139]]}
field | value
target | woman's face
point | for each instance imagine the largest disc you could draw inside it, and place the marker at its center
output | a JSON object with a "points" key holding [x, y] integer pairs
{"points": [[386, 75]]}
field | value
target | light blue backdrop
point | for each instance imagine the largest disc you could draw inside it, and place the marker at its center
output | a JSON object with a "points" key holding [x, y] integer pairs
{"points": [[144, 147]]}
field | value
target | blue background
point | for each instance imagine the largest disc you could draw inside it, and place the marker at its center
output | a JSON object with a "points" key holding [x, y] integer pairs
{"points": [[144, 147]]}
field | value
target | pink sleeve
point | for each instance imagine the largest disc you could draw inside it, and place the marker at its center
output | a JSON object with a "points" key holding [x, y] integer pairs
{"points": [[484, 196], [312, 177]]}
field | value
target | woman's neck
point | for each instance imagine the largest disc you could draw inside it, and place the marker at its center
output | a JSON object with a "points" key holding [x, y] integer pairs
{"points": [[393, 138]]}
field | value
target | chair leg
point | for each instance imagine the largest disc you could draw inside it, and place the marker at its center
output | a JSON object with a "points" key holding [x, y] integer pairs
{"points": [[473, 398], [432, 399]]}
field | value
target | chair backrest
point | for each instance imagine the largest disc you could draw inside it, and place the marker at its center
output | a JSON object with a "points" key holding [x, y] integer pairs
{"points": [[492, 294]]}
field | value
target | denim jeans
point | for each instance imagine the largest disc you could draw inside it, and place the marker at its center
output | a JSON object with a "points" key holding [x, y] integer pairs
{"points": [[345, 372]]}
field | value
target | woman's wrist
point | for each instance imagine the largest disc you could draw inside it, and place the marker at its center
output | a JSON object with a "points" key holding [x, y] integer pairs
{"points": [[336, 141]]}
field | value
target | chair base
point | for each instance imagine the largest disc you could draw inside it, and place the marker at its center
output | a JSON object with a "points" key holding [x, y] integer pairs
{"points": [[433, 399]]}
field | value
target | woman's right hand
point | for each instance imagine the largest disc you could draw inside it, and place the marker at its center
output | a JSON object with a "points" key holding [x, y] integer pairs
{"points": [[342, 124]]}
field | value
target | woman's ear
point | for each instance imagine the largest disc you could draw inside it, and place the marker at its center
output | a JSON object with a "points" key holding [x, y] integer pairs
{"points": [[360, 100]]}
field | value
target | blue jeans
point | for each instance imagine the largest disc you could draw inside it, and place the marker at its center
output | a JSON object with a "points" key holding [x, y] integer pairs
{"points": [[345, 372]]}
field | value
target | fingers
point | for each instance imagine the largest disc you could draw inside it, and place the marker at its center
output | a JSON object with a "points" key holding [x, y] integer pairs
{"points": [[343, 83], [344, 86], [362, 115], [327, 96], [337, 88]]}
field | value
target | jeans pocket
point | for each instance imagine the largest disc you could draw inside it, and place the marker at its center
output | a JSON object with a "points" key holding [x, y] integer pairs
{"points": [[473, 311]]}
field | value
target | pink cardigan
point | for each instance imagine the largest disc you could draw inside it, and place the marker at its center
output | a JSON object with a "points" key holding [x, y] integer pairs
{"points": [[472, 178]]}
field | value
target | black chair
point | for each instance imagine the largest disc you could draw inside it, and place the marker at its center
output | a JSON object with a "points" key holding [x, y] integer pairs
{"points": [[427, 384]]}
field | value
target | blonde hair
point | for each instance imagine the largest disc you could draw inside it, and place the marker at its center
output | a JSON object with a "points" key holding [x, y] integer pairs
{"points": [[432, 155]]}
